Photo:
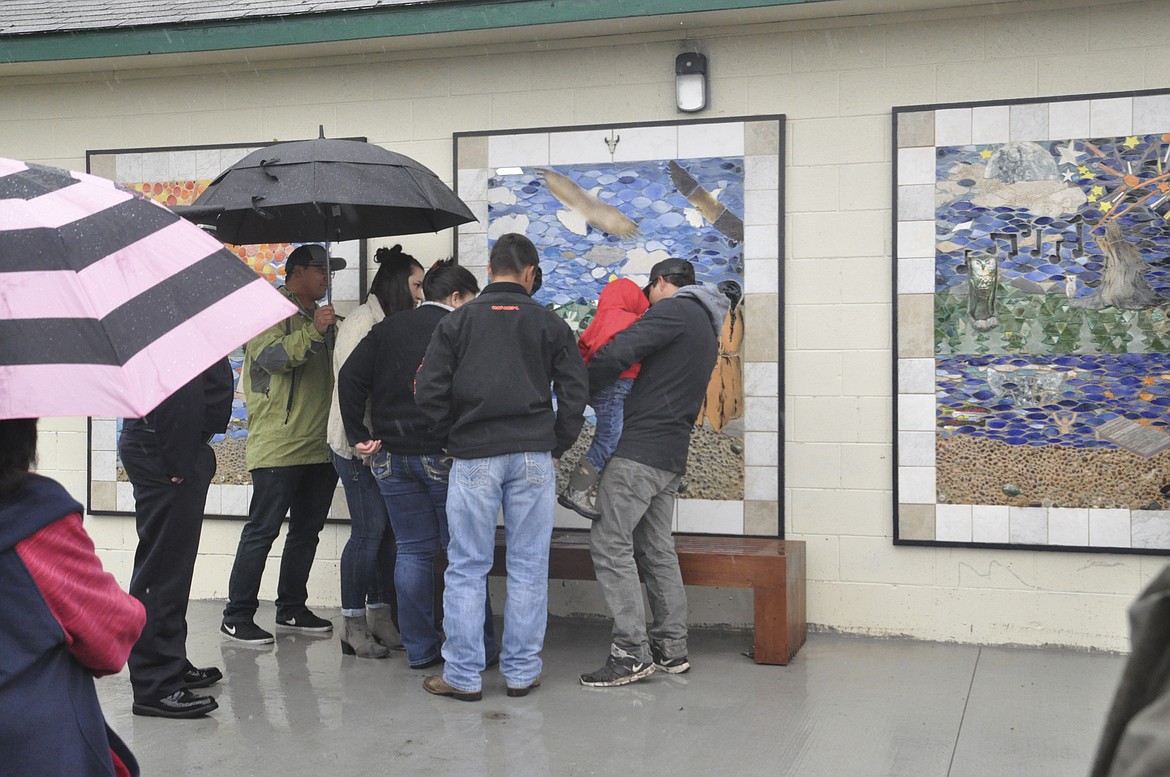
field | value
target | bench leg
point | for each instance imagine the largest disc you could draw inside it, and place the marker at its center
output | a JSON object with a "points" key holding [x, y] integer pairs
{"points": [[771, 607]]}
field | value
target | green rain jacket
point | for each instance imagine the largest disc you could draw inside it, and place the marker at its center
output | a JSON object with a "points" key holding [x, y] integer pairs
{"points": [[288, 382]]}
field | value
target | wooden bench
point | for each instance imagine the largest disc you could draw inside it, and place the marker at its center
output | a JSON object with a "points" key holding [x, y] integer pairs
{"points": [[773, 569]]}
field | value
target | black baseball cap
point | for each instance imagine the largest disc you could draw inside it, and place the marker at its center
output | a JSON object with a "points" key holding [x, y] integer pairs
{"points": [[671, 267], [312, 255]]}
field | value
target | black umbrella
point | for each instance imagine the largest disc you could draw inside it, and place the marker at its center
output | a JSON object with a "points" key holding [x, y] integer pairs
{"points": [[325, 190]]}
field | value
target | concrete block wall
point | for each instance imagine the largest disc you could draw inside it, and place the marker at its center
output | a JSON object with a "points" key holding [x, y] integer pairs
{"points": [[836, 80]]}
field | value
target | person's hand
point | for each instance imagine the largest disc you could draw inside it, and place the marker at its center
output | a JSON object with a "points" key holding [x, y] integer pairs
{"points": [[324, 318], [368, 447]]}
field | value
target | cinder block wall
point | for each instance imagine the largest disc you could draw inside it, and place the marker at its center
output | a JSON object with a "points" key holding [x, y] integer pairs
{"points": [[836, 79]]}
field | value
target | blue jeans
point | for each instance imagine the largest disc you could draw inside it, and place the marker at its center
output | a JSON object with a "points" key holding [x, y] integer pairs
{"points": [[415, 490], [523, 484], [303, 492], [610, 406], [367, 561]]}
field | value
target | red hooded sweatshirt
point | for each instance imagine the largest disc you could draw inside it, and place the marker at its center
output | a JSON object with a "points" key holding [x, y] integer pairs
{"points": [[620, 304]]}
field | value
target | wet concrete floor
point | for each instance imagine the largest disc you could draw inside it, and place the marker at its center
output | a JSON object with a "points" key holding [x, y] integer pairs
{"points": [[846, 706]]}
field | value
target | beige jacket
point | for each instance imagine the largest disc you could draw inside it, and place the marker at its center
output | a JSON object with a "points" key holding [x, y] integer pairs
{"points": [[349, 333]]}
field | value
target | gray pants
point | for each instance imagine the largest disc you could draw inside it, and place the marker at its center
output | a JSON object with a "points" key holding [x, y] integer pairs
{"points": [[636, 503]]}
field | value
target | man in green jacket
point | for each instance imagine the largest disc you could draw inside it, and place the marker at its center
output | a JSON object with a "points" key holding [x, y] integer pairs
{"points": [[288, 381]]}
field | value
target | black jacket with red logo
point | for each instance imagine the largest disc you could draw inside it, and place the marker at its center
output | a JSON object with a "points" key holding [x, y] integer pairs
{"points": [[489, 374]]}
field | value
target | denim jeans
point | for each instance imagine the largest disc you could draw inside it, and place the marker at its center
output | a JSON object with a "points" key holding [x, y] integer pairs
{"points": [[304, 493], [636, 503], [610, 406], [415, 490], [523, 484], [367, 561]]}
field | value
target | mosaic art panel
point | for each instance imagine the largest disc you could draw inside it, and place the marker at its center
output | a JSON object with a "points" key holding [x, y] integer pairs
{"points": [[595, 216], [1034, 337], [178, 177]]}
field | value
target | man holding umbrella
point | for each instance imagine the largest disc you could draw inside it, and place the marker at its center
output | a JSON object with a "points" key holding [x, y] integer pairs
{"points": [[288, 382]]}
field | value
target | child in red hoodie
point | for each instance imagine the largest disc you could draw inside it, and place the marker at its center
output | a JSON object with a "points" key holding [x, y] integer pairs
{"points": [[620, 304]]}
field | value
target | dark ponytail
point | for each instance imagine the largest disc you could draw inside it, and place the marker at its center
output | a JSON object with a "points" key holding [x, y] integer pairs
{"points": [[391, 284], [445, 278]]}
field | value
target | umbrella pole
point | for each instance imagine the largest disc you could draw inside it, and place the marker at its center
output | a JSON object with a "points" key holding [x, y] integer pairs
{"points": [[331, 332]]}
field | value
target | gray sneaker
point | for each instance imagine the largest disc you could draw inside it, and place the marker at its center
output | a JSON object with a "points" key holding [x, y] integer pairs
{"points": [[618, 670]]}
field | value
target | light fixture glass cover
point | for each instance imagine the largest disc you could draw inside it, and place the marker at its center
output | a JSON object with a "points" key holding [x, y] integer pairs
{"points": [[690, 82]]}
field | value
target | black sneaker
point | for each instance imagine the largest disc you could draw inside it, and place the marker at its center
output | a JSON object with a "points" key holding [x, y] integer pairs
{"points": [[305, 621], [180, 704], [246, 631], [676, 665], [201, 678], [618, 670]]}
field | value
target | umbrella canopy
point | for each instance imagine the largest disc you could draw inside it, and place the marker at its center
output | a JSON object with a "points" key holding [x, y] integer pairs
{"points": [[325, 190], [108, 301]]}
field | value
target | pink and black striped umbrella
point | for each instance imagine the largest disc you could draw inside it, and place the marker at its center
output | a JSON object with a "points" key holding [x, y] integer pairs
{"points": [[108, 301]]}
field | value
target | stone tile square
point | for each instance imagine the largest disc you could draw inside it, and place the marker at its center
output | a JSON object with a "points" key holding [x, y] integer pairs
{"points": [[103, 495], [1110, 528], [952, 127], [916, 522], [916, 203], [761, 138], [915, 128], [916, 376], [990, 523], [707, 140], [990, 124], [1150, 529], [916, 238], [1151, 114], [1068, 119], [473, 152], [1029, 121], [1068, 526], [518, 150], [952, 523], [710, 516], [1028, 525], [916, 485], [916, 166], [917, 449], [916, 275], [761, 518], [1111, 117]]}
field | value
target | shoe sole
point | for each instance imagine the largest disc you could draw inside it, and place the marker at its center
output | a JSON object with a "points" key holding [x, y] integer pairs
{"points": [[153, 712], [564, 501], [518, 692], [260, 641], [305, 629], [679, 669], [630, 678]]}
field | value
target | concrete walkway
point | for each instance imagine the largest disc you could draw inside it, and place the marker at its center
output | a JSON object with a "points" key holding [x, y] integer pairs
{"points": [[845, 707]]}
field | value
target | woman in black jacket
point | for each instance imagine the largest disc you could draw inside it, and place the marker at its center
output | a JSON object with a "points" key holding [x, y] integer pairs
{"points": [[406, 457]]}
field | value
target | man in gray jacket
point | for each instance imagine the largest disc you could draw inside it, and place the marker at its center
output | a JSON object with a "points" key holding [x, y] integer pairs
{"points": [[677, 342]]}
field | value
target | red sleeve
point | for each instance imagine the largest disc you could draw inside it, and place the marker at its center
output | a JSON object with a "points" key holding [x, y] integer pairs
{"points": [[100, 620]]}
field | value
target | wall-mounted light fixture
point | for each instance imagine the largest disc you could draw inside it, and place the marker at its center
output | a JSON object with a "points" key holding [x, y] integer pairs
{"points": [[690, 82]]}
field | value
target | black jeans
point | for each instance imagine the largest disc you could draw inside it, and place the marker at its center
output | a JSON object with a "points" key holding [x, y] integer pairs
{"points": [[169, 517], [304, 493]]}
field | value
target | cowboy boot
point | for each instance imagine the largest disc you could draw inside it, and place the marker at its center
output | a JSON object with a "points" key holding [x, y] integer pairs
{"points": [[382, 627], [357, 640], [576, 496]]}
